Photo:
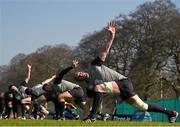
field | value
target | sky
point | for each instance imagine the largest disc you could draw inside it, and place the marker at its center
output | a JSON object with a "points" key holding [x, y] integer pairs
{"points": [[26, 25]]}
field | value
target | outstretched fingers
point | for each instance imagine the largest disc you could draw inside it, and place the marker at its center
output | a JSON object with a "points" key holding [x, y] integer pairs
{"points": [[29, 66], [112, 27], [76, 63]]}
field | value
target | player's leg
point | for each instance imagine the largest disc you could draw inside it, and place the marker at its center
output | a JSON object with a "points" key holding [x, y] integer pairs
{"points": [[87, 106], [26, 100], [75, 93], [137, 102], [61, 99], [108, 88], [36, 104], [127, 94]]}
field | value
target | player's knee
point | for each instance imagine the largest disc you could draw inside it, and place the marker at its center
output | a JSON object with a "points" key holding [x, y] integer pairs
{"points": [[144, 107], [22, 101], [141, 105]]}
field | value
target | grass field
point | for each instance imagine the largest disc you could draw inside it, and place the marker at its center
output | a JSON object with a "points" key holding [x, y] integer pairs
{"points": [[79, 123]]}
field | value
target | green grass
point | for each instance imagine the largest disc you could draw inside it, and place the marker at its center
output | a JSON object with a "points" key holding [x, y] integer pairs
{"points": [[80, 123]]}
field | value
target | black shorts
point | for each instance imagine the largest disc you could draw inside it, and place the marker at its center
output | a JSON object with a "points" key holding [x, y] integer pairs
{"points": [[126, 88], [78, 94], [90, 93], [50, 96]]}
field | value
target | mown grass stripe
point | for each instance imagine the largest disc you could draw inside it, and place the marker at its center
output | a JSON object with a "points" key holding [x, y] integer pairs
{"points": [[80, 123]]}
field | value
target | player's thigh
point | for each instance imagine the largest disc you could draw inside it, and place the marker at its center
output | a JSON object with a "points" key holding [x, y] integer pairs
{"points": [[108, 87], [26, 100], [41, 99]]}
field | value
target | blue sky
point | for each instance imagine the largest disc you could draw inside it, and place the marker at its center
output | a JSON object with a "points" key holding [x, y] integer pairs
{"points": [[26, 25]]}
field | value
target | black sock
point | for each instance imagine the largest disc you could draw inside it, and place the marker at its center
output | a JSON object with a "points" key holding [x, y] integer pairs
{"points": [[51, 113], [36, 109], [61, 108], [8, 111], [57, 108], [22, 110], [96, 104], [155, 108]]}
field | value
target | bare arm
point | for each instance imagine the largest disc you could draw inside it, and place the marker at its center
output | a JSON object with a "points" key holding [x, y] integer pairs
{"points": [[29, 73], [49, 80], [111, 28]]}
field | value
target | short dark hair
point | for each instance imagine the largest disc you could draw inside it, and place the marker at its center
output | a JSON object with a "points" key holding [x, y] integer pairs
{"points": [[10, 86], [28, 91], [47, 88], [44, 87]]}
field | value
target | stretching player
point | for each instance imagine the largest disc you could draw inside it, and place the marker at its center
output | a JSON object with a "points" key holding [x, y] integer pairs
{"points": [[20, 98], [38, 97], [65, 90], [102, 79]]}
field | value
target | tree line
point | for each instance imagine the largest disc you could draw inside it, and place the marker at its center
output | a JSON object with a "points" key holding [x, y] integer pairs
{"points": [[146, 49]]}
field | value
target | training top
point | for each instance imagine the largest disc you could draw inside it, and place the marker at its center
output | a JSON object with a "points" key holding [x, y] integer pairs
{"points": [[99, 73], [64, 86], [60, 85], [37, 90], [20, 94]]}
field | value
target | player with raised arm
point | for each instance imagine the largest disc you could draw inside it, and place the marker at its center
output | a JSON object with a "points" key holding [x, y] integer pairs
{"points": [[39, 97], [20, 98], [102, 80], [64, 90]]}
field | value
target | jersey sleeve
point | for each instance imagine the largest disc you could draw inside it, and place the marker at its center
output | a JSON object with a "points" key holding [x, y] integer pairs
{"points": [[60, 76], [97, 61]]}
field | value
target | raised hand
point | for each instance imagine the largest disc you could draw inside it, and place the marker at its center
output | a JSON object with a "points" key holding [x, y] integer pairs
{"points": [[112, 27], [76, 63], [29, 66]]}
